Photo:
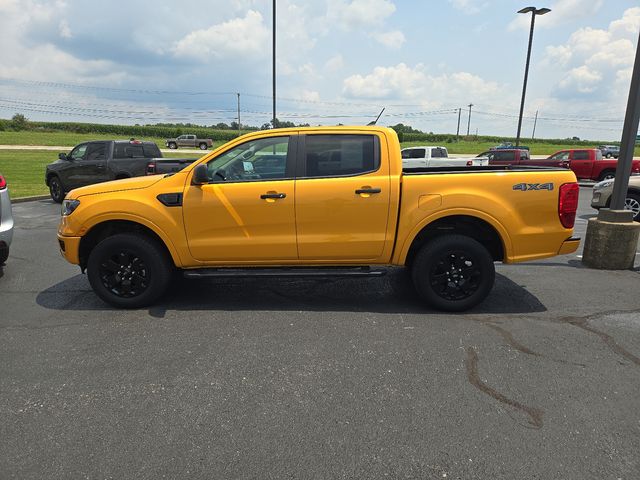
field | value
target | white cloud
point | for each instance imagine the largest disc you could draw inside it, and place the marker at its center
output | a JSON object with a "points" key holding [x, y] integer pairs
{"points": [[595, 60], [583, 79], [359, 13], [240, 36], [469, 7], [334, 63], [404, 82], [393, 39], [562, 11]]}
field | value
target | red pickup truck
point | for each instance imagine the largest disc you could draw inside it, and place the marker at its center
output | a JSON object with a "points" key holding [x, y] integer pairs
{"points": [[587, 163]]}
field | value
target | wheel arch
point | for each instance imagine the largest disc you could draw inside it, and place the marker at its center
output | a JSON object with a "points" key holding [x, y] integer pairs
{"points": [[481, 229], [107, 228]]}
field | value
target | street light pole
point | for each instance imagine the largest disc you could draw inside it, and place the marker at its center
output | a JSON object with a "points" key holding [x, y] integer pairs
{"points": [[534, 11], [273, 121]]}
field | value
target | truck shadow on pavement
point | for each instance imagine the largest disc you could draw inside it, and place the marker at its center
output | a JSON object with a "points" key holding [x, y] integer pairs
{"points": [[392, 293]]}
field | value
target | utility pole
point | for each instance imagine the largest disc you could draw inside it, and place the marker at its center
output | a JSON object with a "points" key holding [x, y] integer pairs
{"points": [[458, 131], [469, 121], [274, 63], [533, 135], [239, 133]]}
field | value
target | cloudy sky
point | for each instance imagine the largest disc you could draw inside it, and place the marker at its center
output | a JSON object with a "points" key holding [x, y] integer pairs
{"points": [[338, 61]]}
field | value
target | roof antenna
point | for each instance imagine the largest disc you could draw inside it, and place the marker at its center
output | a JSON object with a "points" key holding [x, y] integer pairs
{"points": [[377, 118]]}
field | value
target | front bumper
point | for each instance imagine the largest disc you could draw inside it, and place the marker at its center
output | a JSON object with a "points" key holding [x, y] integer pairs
{"points": [[70, 248]]}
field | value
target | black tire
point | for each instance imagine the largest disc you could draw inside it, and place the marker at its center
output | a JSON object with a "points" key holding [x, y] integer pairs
{"points": [[607, 174], [203, 146], [632, 202], [4, 255], [56, 189], [173, 145], [129, 270], [453, 273], [608, 155]]}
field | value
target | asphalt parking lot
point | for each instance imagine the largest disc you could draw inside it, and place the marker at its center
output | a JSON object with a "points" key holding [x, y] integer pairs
{"points": [[317, 378]]}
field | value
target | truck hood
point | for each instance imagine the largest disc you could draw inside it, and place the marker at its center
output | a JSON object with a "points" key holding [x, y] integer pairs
{"points": [[135, 183]]}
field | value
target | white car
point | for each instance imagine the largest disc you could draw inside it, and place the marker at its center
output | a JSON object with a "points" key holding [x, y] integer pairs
{"points": [[423, 157], [6, 221]]}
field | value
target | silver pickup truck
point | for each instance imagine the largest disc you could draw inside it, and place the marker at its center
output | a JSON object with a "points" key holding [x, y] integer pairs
{"points": [[189, 141]]}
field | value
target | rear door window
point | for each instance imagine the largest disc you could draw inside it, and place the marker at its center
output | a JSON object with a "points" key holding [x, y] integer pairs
{"points": [[580, 155], [340, 155], [438, 153], [151, 150]]}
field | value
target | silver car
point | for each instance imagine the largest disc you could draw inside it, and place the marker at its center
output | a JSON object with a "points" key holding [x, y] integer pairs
{"points": [[602, 196], [6, 221]]}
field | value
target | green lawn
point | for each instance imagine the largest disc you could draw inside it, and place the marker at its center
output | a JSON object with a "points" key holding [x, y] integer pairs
{"points": [[24, 170]]}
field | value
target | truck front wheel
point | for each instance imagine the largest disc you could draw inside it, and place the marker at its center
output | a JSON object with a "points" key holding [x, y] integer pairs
{"points": [[453, 273], [56, 190], [607, 175], [129, 271], [173, 145]]}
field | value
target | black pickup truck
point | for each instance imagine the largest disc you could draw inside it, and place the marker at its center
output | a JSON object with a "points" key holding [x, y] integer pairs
{"points": [[102, 161]]}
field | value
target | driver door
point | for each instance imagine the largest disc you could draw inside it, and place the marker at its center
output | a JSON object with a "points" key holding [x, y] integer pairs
{"points": [[245, 214]]}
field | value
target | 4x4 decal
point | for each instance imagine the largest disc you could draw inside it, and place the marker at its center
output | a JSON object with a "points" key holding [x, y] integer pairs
{"points": [[533, 186]]}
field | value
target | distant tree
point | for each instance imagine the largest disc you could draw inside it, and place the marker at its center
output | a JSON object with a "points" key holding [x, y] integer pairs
{"points": [[265, 126], [233, 126], [19, 122], [401, 128], [222, 126]]}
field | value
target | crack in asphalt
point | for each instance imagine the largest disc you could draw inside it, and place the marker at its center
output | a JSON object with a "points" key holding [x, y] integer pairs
{"points": [[608, 340], [471, 364], [509, 338]]}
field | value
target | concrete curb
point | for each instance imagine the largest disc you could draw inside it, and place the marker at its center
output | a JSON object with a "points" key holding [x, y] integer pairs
{"points": [[29, 199]]}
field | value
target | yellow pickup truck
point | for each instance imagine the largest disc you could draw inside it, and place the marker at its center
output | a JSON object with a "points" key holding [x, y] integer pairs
{"points": [[321, 202]]}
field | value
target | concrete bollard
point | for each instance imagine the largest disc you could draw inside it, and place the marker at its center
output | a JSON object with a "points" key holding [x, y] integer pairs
{"points": [[610, 245]]}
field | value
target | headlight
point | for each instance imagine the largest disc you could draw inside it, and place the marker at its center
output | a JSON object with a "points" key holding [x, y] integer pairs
{"points": [[68, 206], [603, 184]]}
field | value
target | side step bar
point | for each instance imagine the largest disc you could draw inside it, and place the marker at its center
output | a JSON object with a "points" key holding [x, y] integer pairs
{"points": [[285, 272]]}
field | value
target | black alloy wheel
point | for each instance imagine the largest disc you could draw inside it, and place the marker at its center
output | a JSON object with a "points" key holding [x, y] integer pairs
{"points": [[453, 272], [56, 190], [129, 270]]}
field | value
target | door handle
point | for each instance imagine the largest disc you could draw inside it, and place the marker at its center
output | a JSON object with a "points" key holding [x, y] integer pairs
{"points": [[265, 196], [100, 167], [368, 190]]}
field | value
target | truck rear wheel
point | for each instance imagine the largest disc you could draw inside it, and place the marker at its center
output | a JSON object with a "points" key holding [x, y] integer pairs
{"points": [[129, 271], [203, 146], [453, 273]]}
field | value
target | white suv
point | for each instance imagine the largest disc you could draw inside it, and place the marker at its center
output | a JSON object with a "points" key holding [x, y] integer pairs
{"points": [[6, 221]]}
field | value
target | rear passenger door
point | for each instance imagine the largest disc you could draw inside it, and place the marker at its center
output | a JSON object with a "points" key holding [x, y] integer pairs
{"points": [[581, 163], [342, 198]]}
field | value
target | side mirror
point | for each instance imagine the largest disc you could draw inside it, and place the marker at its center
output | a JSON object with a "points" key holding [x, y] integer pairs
{"points": [[63, 156], [200, 175]]}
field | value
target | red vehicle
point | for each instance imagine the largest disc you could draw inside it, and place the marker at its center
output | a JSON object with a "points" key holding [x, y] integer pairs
{"points": [[518, 156], [587, 163]]}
